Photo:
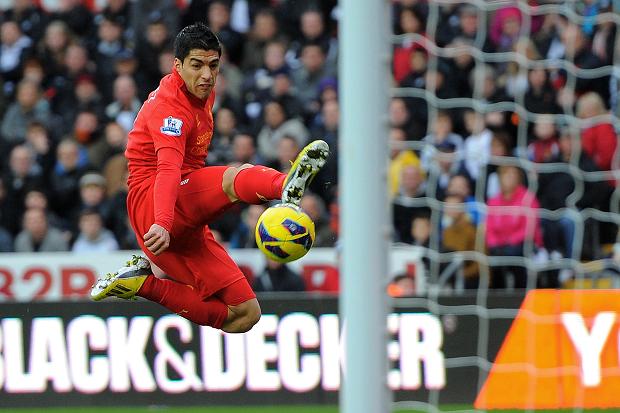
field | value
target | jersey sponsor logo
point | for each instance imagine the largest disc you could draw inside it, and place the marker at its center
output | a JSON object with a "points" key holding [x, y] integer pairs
{"points": [[172, 126]]}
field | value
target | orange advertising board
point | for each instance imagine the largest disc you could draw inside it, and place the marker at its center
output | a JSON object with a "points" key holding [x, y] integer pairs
{"points": [[562, 351]]}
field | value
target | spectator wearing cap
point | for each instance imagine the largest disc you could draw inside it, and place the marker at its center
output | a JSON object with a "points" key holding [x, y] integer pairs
{"points": [[126, 64], [505, 28], [37, 235], [93, 236], [156, 40], [29, 107], [277, 124], [328, 89], [89, 181], [92, 195]]}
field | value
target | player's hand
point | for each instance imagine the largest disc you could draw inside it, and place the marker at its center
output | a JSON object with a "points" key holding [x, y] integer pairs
{"points": [[157, 240]]}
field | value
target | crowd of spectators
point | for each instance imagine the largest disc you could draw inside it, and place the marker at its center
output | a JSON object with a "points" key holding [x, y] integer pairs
{"points": [[512, 181], [73, 78]]}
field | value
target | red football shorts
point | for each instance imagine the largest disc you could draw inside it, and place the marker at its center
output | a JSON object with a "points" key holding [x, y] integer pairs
{"points": [[194, 257]]}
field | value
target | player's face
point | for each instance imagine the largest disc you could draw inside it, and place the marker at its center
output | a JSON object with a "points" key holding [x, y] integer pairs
{"points": [[199, 70]]}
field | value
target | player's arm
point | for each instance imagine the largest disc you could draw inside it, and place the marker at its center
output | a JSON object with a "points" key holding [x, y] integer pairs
{"points": [[169, 135]]}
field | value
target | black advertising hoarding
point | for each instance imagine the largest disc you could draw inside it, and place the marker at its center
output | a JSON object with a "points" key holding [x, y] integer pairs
{"points": [[135, 353]]}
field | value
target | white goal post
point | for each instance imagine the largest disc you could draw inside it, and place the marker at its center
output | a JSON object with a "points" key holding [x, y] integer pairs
{"points": [[364, 60]]}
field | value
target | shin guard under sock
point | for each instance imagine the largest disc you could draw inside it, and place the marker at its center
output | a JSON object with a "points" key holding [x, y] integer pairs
{"points": [[259, 184]]}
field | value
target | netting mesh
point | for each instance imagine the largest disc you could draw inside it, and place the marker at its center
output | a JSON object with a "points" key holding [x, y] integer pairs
{"points": [[534, 86]]}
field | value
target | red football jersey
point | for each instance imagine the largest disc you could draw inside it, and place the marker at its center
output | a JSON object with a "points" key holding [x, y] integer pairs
{"points": [[174, 119], [170, 117]]}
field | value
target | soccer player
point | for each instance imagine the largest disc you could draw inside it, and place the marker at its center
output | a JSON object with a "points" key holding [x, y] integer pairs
{"points": [[173, 196]]}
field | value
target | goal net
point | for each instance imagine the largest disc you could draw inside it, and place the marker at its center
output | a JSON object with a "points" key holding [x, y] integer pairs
{"points": [[503, 169]]}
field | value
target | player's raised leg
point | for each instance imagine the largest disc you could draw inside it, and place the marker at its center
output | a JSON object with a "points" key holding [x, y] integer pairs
{"points": [[257, 184], [136, 279], [308, 163]]}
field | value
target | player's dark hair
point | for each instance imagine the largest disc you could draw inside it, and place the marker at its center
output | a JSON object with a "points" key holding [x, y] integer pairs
{"points": [[195, 36]]}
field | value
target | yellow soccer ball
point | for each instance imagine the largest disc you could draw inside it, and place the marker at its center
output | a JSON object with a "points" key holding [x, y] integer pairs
{"points": [[284, 233]]}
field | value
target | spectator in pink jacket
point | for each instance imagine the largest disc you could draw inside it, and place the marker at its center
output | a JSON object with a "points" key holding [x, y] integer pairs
{"points": [[506, 26], [508, 230]]}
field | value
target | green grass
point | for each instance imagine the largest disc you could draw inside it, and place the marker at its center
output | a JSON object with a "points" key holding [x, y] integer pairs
{"points": [[263, 409], [241, 409]]}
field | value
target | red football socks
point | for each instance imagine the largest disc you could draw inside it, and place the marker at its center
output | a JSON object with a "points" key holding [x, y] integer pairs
{"points": [[259, 184], [182, 300]]}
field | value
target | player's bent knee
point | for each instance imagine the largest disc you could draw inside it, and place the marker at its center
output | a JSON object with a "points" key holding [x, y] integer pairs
{"points": [[228, 180], [244, 317], [249, 322]]}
